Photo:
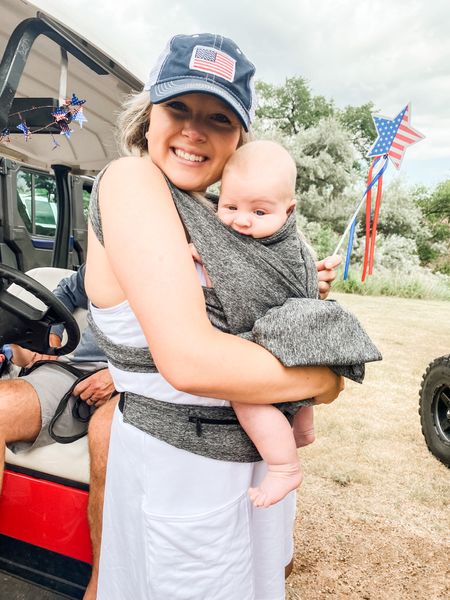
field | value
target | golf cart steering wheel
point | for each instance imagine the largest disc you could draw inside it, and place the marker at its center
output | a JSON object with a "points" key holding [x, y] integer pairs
{"points": [[21, 323]]}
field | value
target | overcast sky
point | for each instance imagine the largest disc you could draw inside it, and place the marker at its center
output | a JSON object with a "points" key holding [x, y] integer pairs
{"points": [[353, 51]]}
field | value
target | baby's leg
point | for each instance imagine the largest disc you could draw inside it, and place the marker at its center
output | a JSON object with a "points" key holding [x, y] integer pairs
{"points": [[304, 426], [271, 433]]}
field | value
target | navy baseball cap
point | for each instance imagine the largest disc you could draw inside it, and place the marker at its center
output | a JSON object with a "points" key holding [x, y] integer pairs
{"points": [[206, 63]]}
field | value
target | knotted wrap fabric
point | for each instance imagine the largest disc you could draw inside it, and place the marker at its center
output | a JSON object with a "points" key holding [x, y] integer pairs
{"points": [[266, 291]]}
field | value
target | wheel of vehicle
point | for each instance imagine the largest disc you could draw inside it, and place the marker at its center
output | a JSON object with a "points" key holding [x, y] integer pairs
{"points": [[23, 324], [434, 408]]}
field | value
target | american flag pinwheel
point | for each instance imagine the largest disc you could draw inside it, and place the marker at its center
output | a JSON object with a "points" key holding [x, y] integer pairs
{"points": [[394, 137]]}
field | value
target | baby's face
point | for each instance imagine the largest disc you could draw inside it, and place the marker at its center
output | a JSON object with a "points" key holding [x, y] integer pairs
{"points": [[253, 208]]}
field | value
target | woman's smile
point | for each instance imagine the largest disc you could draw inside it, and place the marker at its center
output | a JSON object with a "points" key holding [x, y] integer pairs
{"points": [[189, 156]]}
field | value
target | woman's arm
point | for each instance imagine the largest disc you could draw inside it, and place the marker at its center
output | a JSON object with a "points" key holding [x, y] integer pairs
{"points": [[149, 260]]}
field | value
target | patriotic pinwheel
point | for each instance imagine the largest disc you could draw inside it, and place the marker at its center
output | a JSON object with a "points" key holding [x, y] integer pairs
{"points": [[78, 117], [24, 129], [4, 135], [394, 136], [71, 110]]}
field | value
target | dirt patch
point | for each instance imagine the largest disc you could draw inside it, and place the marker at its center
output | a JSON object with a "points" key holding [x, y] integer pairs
{"points": [[374, 516]]}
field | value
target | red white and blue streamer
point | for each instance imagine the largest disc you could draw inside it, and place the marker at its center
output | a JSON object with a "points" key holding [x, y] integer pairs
{"points": [[394, 137]]}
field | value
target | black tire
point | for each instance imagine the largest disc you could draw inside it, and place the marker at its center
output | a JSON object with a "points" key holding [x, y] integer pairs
{"points": [[434, 408]]}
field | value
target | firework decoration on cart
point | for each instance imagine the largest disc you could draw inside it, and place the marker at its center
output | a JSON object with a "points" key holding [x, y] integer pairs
{"points": [[71, 111], [394, 137]]}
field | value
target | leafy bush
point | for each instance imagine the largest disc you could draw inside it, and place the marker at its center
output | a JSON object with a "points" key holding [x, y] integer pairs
{"points": [[421, 283], [434, 238], [322, 238], [399, 214], [396, 253]]}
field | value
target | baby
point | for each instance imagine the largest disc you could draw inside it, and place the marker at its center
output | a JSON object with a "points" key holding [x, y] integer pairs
{"points": [[257, 197]]}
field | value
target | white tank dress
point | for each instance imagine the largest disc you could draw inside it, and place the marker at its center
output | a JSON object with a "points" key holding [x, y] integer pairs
{"points": [[176, 525]]}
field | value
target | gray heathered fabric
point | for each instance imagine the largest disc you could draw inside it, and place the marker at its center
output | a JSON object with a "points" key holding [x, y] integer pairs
{"points": [[215, 310], [312, 332], [250, 278], [127, 358], [321, 332], [94, 208], [268, 291], [186, 426]]}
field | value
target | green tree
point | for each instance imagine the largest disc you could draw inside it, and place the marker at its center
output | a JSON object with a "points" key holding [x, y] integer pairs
{"points": [[434, 238], [396, 253], [399, 214], [437, 207], [45, 185], [330, 148], [324, 156], [292, 106], [325, 176], [359, 122]]}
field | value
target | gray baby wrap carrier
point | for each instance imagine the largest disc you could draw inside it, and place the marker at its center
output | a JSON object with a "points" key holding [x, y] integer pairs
{"points": [[265, 291]]}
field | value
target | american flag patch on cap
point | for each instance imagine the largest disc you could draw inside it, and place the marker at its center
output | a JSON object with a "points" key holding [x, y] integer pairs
{"points": [[210, 60]]}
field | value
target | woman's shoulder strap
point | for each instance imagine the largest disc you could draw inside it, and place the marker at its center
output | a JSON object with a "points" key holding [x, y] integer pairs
{"points": [[94, 208], [180, 199]]}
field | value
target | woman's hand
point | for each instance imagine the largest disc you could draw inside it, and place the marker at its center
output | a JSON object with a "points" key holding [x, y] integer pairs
{"points": [[332, 393], [327, 274]]}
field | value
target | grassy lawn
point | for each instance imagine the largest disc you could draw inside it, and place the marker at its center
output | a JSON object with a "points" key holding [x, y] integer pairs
{"points": [[374, 510]]}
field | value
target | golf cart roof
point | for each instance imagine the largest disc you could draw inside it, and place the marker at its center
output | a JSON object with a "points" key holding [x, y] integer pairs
{"points": [[91, 74]]}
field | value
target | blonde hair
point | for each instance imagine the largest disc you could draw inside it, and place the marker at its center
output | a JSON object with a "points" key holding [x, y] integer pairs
{"points": [[133, 123]]}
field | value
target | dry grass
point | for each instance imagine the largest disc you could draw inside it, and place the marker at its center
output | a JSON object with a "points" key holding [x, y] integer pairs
{"points": [[374, 514]]}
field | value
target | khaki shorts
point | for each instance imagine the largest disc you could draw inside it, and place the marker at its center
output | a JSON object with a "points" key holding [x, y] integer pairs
{"points": [[51, 384]]}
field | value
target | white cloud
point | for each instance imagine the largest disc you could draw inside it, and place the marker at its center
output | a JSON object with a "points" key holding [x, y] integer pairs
{"points": [[351, 51]]}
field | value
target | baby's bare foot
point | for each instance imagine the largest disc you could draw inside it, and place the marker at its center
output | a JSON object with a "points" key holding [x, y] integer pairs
{"points": [[278, 482]]}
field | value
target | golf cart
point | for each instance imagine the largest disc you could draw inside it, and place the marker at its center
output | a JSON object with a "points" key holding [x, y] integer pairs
{"points": [[46, 175]]}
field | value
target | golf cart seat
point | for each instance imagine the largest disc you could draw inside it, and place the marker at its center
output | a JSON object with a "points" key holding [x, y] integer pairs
{"points": [[67, 461]]}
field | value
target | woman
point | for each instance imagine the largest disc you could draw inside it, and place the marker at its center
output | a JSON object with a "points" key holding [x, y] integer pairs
{"points": [[176, 524]]}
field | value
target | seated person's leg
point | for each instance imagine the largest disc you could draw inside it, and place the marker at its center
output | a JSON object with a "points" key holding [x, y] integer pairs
{"points": [[99, 434], [50, 384], [20, 415]]}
